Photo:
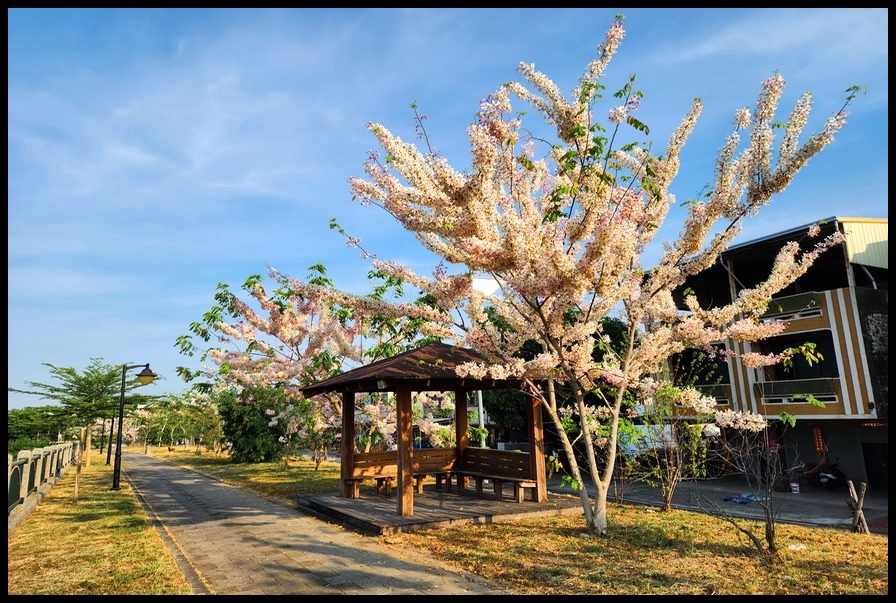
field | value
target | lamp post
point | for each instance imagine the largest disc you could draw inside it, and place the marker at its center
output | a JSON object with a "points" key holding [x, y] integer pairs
{"points": [[145, 377]]}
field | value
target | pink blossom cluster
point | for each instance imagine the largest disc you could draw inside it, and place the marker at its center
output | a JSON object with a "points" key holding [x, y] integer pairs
{"points": [[693, 398], [740, 421], [756, 360]]}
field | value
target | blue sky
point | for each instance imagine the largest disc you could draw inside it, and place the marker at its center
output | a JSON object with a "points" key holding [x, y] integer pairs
{"points": [[154, 153]]}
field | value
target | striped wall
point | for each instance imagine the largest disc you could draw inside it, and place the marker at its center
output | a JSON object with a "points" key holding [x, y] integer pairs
{"points": [[853, 390]]}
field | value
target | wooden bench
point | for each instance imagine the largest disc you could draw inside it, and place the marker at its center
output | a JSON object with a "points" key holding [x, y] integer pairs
{"points": [[499, 467], [383, 467]]}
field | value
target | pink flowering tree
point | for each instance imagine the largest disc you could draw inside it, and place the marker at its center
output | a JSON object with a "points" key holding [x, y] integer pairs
{"points": [[561, 224], [292, 337]]}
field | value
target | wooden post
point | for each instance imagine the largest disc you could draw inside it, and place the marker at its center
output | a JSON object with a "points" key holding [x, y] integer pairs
{"points": [[77, 476], [461, 420], [462, 426], [348, 445], [405, 452], [536, 449], [859, 525]]}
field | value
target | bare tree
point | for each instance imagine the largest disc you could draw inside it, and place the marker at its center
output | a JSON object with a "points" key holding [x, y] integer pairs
{"points": [[758, 458]]}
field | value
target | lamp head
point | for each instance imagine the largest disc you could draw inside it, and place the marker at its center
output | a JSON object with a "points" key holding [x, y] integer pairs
{"points": [[146, 376]]}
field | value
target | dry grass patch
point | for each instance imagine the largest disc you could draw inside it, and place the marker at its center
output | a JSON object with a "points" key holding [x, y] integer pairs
{"points": [[101, 543], [648, 552]]}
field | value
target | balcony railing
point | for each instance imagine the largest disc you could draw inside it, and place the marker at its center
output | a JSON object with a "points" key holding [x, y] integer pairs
{"points": [[776, 389]]}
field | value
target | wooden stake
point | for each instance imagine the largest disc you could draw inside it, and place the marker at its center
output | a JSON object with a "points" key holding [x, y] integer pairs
{"points": [[859, 525]]}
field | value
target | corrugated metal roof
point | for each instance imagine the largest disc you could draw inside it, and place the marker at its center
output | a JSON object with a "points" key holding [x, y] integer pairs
{"points": [[867, 241]]}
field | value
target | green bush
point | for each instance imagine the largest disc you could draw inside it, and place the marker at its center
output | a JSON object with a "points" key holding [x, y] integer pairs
{"points": [[13, 447]]}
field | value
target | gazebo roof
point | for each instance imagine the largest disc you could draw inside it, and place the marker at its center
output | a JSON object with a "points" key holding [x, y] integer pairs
{"points": [[427, 368]]}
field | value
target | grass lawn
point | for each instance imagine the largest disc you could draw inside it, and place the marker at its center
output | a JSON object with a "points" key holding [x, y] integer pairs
{"points": [[86, 539], [645, 552]]}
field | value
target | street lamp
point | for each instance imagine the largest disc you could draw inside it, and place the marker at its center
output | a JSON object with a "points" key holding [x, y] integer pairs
{"points": [[145, 377]]}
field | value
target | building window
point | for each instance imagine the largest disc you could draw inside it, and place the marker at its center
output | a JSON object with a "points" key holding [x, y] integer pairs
{"points": [[800, 368], [699, 367]]}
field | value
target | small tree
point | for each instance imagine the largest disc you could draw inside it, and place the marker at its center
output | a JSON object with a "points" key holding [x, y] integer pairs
{"points": [[758, 458], [87, 396], [304, 427], [247, 427], [663, 450], [664, 447]]}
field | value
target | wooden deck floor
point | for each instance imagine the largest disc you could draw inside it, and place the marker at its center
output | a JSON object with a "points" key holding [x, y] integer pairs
{"points": [[378, 514]]}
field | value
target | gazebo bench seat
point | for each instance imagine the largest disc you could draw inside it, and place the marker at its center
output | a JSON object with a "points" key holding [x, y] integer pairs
{"points": [[498, 467]]}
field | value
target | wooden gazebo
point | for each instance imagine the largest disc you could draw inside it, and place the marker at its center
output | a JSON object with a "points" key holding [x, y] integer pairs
{"points": [[427, 368]]}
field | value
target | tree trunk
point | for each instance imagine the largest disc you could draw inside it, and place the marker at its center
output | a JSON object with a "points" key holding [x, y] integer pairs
{"points": [[598, 523], [667, 499], [87, 448]]}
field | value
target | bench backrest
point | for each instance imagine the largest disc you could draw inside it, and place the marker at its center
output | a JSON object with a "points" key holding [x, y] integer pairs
{"points": [[375, 464], [500, 463], [434, 460], [385, 464]]}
